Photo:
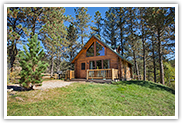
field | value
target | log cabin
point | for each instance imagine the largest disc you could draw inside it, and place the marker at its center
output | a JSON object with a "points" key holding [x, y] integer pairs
{"points": [[97, 60]]}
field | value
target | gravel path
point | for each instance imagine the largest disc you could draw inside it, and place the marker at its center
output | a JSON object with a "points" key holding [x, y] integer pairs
{"points": [[53, 84]]}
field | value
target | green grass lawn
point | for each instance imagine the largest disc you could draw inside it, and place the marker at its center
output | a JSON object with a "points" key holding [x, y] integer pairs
{"points": [[91, 99]]}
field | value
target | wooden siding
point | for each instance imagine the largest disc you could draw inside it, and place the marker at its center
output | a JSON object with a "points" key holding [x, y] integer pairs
{"points": [[124, 70], [113, 58]]}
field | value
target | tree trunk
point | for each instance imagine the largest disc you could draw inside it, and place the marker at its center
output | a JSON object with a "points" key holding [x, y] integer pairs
{"points": [[52, 60], [121, 33], [13, 52], [160, 59], [82, 38], [144, 63], [136, 65], [144, 56], [154, 63]]}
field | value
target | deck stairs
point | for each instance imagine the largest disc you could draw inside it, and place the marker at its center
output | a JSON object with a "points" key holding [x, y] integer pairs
{"points": [[94, 80]]}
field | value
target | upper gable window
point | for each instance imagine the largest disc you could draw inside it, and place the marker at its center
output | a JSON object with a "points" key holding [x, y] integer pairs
{"points": [[100, 51], [90, 51], [95, 49]]}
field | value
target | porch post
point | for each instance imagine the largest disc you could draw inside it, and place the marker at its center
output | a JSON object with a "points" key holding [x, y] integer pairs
{"points": [[112, 73], [70, 73], [87, 74]]}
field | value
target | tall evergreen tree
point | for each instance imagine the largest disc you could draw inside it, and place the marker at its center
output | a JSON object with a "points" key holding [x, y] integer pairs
{"points": [[30, 61], [15, 17], [54, 32], [72, 43], [163, 20], [110, 27], [121, 15], [143, 30], [98, 23], [34, 20], [132, 37], [81, 22]]}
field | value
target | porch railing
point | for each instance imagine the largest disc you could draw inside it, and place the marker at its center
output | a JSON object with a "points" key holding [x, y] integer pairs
{"points": [[69, 74], [102, 74]]}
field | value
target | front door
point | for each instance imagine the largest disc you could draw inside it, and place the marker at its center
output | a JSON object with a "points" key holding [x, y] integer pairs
{"points": [[82, 70]]}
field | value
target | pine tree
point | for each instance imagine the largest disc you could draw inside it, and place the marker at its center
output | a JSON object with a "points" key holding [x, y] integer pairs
{"points": [[121, 15], [30, 61], [34, 19], [72, 43], [132, 37], [110, 27], [53, 33], [163, 21], [98, 23], [143, 35], [81, 23], [14, 31]]}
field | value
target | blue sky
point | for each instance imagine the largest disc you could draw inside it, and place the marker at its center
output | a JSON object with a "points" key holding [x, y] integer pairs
{"points": [[91, 11]]}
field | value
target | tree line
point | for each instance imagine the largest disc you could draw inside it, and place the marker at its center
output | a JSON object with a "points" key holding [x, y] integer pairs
{"points": [[146, 36]]}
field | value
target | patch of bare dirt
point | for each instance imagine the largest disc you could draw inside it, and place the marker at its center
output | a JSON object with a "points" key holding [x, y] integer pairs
{"points": [[53, 84]]}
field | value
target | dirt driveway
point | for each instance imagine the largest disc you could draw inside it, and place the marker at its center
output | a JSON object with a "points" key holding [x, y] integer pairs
{"points": [[53, 84], [45, 85]]}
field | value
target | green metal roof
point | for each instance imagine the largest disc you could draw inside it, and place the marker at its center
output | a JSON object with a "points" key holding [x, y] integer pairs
{"points": [[107, 47]]}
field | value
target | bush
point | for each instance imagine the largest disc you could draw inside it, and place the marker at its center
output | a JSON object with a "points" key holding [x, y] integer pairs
{"points": [[12, 77]]}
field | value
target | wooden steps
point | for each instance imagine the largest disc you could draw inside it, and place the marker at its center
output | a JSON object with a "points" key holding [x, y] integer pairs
{"points": [[94, 80], [77, 79], [100, 81]]}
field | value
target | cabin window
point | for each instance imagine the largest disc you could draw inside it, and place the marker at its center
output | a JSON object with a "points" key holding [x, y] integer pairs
{"points": [[106, 64], [99, 64], [82, 66], [90, 51], [92, 64], [95, 49], [100, 51]]}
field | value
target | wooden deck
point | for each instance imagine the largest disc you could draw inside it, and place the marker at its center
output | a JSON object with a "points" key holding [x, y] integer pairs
{"points": [[95, 74], [106, 74]]}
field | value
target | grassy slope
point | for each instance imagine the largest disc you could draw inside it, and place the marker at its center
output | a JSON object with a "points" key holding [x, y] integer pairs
{"points": [[88, 99]]}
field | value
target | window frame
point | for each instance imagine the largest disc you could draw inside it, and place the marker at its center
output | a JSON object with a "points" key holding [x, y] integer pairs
{"points": [[90, 64], [95, 61], [83, 66], [95, 49], [100, 65], [89, 48], [103, 63]]}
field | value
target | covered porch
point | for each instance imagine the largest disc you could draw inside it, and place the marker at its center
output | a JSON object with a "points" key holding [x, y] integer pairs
{"points": [[103, 74], [95, 74]]}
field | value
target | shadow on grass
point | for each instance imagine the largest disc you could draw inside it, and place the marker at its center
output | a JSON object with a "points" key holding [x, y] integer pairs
{"points": [[19, 88], [148, 84]]}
